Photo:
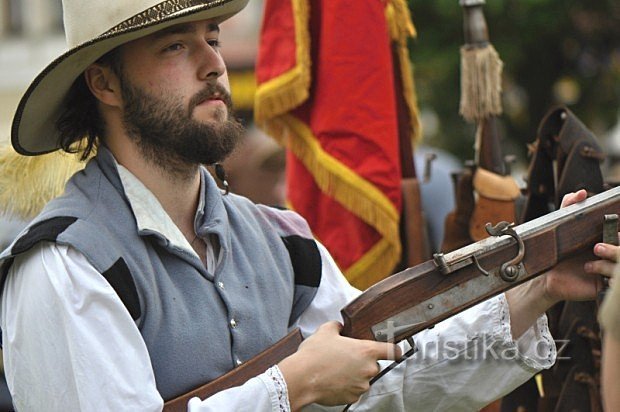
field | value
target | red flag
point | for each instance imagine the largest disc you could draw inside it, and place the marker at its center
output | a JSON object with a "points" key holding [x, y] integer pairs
{"points": [[326, 90]]}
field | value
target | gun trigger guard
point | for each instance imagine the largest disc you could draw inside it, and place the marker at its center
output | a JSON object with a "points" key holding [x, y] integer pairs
{"points": [[508, 271], [480, 268]]}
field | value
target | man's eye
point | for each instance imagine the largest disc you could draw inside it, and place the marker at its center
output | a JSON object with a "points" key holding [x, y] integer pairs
{"points": [[215, 43], [174, 47]]}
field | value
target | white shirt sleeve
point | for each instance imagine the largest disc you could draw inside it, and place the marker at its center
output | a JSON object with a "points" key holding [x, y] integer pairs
{"points": [[462, 364], [70, 344], [333, 294], [94, 357]]}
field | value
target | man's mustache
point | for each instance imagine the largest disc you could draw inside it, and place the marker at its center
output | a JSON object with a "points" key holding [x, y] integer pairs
{"points": [[210, 92]]}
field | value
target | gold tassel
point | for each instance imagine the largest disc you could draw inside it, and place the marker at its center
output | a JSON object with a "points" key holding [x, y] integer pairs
{"points": [[481, 82], [27, 183], [399, 20]]}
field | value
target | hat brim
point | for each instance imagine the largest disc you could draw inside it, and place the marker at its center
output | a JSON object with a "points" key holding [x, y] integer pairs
{"points": [[34, 130]]}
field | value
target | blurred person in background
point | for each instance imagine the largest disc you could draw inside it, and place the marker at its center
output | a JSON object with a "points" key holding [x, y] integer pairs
{"points": [[256, 169], [610, 322]]}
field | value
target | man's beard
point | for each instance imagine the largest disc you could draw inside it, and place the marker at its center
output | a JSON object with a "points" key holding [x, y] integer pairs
{"points": [[168, 135]]}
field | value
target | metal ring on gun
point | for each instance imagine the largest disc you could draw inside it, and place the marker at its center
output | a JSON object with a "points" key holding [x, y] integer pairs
{"points": [[508, 271]]}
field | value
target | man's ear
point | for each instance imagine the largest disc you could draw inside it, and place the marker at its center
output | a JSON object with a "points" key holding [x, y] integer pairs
{"points": [[103, 84]]}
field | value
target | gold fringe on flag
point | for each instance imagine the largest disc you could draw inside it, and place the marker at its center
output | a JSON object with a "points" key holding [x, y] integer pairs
{"points": [[481, 82], [352, 191], [381, 258], [27, 183], [290, 89], [401, 29]]}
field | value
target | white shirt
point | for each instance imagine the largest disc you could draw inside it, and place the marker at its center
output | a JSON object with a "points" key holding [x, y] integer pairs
{"points": [[66, 333]]}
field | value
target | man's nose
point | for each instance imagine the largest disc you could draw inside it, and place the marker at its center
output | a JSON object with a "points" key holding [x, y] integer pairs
{"points": [[211, 64]]}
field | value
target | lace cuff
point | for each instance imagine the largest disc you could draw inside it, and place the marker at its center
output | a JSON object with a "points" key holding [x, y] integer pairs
{"points": [[276, 380], [535, 347]]}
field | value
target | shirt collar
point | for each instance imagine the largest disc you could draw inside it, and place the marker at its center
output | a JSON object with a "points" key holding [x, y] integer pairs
{"points": [[149, 213]]}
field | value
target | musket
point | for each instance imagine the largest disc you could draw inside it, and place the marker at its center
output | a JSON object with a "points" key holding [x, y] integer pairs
{"points": [[489, 179], [419, 297]]}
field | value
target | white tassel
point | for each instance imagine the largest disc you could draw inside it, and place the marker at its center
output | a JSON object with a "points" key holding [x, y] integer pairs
{"points": [[481, 83]]}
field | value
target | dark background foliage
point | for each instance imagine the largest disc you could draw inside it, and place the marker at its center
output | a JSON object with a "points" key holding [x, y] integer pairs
{"points": [[554, 52]]}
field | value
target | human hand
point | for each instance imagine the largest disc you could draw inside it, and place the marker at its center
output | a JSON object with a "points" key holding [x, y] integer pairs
{"points": [[608, 265], [331, 369], [578, 278]]}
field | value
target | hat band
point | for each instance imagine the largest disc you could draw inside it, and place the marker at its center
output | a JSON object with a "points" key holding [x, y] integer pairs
{"points": [[160, 12]]}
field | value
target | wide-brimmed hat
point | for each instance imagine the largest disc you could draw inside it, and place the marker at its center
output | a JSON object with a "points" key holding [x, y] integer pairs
{"points": [[93, 28]]}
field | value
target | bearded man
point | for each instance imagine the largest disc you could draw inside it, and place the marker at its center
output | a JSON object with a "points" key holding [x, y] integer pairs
{"points": [[144, 280]]}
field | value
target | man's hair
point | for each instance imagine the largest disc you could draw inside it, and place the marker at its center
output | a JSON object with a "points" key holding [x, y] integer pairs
{"points": [[80, 125]]}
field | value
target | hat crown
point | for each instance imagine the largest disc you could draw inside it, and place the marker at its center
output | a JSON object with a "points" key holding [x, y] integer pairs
{"points": [[86, 20]]}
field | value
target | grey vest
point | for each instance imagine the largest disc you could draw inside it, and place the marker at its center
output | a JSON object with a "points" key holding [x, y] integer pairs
{"points": [[197, 323]]}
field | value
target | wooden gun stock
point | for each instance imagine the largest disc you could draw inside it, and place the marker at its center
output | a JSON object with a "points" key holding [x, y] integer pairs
{"points": [[424, 295], [238, 376]]}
